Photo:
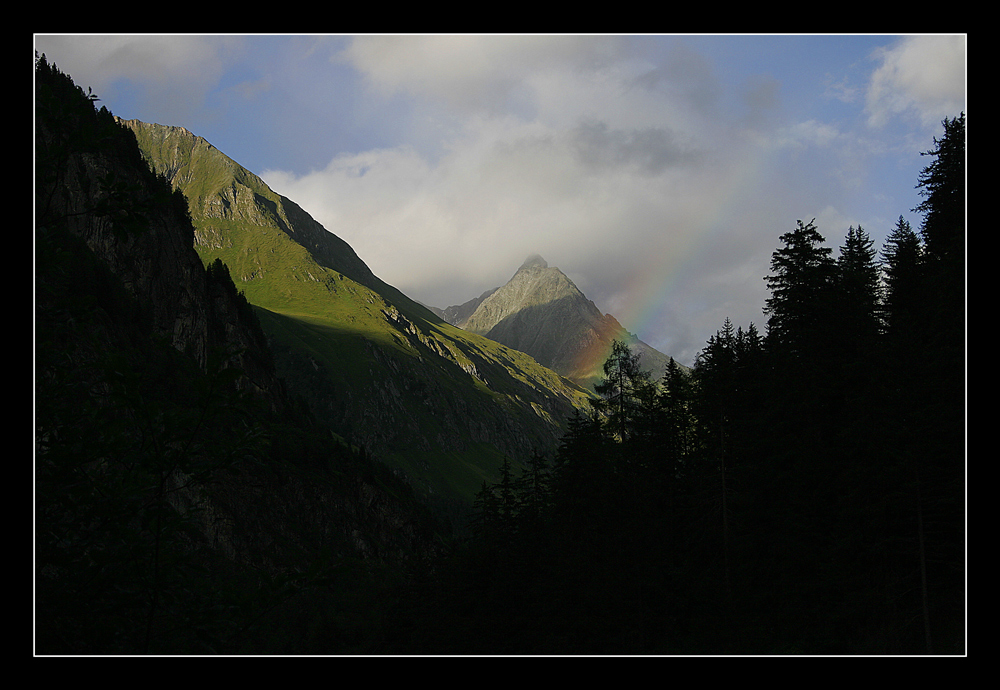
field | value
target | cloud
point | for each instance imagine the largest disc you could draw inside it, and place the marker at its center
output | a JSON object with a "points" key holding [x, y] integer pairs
{"points": [[173, 73], [615, 165], [920, 76], [657, 172], [813, 133], [250, 90], [841, 90], [618, 210], [687, 75], [469, 72], [648, 151]]}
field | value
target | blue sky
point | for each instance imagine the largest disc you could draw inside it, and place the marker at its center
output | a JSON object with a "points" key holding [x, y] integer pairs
{"points": [[656, 171]]}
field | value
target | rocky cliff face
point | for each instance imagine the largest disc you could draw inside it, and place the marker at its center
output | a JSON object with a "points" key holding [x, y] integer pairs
{"points": [[458, 314], [97, 188]]}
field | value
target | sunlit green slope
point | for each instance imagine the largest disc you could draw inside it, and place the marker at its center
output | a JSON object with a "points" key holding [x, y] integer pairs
{"points": [[441, 404]]}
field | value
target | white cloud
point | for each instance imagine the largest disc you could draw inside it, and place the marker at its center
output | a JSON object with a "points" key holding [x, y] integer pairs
{"points": [[923, 76], [620, 172], [814, 133], [641, 167], [610, 207], [174, 72], [159, 59], [468, 72], [841, 90]]}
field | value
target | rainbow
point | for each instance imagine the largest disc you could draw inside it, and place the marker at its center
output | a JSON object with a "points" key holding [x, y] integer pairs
{"points": [[664, 276]]}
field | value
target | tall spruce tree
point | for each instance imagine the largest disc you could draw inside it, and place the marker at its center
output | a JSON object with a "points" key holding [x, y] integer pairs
{"points": [[942, 184], [939, 395], [802, 272], [714, 371], [901, 266], [857, 287], [854, 329], [677, 418]]}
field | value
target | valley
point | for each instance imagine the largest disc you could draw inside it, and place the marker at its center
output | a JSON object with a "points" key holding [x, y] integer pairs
{"points": [[247, 443], [441, 404]]}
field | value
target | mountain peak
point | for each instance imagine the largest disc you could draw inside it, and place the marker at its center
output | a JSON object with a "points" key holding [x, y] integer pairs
{"points": [[534, 261], [542, 313]]}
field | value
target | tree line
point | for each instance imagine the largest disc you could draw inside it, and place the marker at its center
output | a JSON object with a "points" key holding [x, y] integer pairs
{"points": [[801, 490]]}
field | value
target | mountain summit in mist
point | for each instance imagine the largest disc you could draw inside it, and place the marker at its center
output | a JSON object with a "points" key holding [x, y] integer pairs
{"points": [[541, 312]]}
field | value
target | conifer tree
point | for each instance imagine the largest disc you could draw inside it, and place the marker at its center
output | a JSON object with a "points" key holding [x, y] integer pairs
{"points": [[532, 489], [939, 399], [901, 263], [857, 285], [623, 390], [942, 184], [802, 272], [676, 403], [728, 380], [853, 329], [505, 495], [486, 513], [714, 370], [582, 466]]}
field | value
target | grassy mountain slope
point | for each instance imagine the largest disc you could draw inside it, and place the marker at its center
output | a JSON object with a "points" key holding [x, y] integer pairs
{"points": [[441, 404]]}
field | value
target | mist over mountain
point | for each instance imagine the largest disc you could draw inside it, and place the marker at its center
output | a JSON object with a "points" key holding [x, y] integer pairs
{"points": [[459, 314], [541, 311]]}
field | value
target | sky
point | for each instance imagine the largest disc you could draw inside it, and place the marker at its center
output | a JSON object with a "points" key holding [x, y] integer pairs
{"points": [[657, 171]]}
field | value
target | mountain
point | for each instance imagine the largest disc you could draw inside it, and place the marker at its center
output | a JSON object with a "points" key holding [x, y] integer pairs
{"points": [[184, 499], [460, 313], [541, 311], [442, 405]]}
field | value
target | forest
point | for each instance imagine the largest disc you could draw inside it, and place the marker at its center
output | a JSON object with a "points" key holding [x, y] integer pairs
{"points": [[801, 490]]}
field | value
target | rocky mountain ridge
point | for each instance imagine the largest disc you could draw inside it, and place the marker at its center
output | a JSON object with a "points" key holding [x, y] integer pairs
{"points": [[541, 311], [219, 188]]}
